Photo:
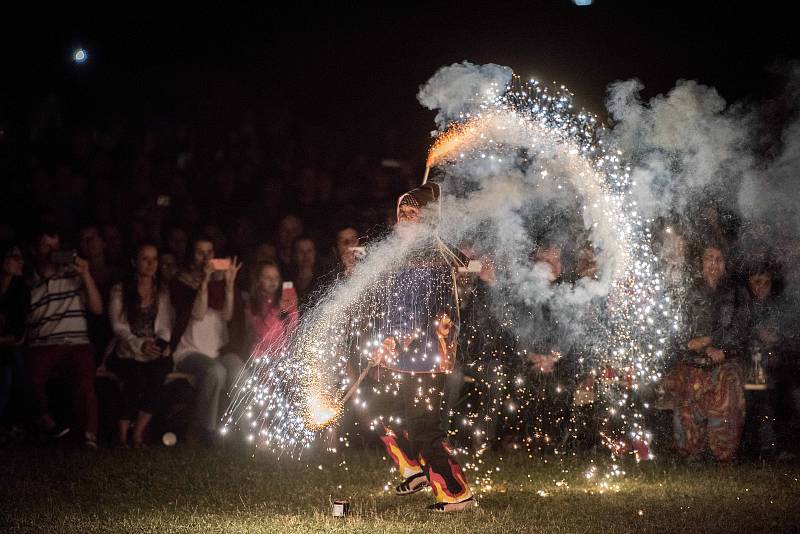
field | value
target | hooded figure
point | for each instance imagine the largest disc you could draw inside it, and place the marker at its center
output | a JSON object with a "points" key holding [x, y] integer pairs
{"points": [[419, 330], [421, 324]]}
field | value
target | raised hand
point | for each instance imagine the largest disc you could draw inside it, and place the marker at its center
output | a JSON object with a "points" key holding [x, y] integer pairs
{"points": [[232, 271]]}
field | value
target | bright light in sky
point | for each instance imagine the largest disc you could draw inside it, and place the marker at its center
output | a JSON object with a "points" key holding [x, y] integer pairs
{"points": [[79, 55], [582, 3]]}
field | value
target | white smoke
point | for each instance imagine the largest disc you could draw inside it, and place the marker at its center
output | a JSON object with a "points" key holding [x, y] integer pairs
{"points": [[461, 88], [679, 143]]}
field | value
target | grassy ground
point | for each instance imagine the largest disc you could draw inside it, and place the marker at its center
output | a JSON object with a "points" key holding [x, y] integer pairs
{"points": [[184, 490]]}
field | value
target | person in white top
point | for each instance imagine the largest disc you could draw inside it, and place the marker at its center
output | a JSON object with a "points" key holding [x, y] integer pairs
{"points": [[203, 298], [142, 320]]}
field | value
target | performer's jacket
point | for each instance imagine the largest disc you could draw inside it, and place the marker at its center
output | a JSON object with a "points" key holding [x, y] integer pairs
{"points": [[421, 316]]}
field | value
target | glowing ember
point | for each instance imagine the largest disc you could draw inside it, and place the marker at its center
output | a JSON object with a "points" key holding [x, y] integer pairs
{"points": [[321, 413]]}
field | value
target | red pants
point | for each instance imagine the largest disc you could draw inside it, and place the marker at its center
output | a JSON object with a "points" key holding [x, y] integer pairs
{"points": [[419, 444], [75, 365]]}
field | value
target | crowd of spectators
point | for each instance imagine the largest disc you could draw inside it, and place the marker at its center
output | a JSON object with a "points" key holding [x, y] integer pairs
{"points": [[145, 256], [152, 259]]}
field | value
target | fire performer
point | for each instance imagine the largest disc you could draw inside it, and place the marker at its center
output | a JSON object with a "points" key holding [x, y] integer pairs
{"points": [[419, 334]]}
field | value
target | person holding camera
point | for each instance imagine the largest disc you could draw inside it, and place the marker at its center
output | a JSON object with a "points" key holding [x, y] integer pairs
{"points": [[203, 298], [62, 292], [141, 319], [270, 311]]}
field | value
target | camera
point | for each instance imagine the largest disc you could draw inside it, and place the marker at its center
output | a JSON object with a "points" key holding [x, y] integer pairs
{"points": [[63, 257]]}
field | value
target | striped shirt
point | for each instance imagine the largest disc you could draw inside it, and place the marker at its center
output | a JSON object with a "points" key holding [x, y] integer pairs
{"points": [[57, 315]]}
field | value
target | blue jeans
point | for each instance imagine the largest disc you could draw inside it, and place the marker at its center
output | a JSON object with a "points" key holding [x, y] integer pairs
{"points": [[214, 378]]}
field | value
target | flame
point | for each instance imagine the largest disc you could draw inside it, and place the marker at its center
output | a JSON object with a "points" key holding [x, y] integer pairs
{"points": [[454, 137], [320, 412]]}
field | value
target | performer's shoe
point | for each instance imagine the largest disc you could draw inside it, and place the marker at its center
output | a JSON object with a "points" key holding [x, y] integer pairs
{"points": [[452, 507], [412, 484]]}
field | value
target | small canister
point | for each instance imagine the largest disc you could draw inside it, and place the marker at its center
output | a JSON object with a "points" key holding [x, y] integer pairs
{"points": [[340, 508]]}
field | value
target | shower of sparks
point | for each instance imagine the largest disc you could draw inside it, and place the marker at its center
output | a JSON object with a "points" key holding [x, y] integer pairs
{"points": [[289, 394]]}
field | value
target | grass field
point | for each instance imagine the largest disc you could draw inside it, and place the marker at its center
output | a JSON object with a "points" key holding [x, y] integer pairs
{"points": [[185, 490]]}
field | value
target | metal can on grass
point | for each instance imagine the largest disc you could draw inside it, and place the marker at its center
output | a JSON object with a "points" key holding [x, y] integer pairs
{"points": [[340, 508]]}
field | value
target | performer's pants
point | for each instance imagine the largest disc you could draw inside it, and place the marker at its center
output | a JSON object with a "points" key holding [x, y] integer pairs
{"points": [[419, 444]]}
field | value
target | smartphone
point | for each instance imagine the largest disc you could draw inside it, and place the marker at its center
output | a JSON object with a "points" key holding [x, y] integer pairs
{"points": [[63, 257], [288, 288], [221, 264]]}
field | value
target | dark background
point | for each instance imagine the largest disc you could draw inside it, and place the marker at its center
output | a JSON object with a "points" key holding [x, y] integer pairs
{"points": [[352, 74]]}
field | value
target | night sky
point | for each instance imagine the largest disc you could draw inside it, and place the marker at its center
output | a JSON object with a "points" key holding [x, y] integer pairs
{"points": [[359, 69]]}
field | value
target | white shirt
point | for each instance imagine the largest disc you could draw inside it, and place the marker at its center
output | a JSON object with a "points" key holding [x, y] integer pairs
{"points": [[205, 336], [128, 345]]}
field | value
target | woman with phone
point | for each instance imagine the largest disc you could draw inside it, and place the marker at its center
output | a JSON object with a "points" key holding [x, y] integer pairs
{"points": [[203, 298], [271, 310], [141, 319]]}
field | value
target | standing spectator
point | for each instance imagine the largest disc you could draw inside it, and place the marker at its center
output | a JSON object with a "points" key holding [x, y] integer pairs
{"points": [[142, 321], [58, 338], [167, 268], [707, 385], [270, 313], [204, 304], [14, 297], [305, 277]]}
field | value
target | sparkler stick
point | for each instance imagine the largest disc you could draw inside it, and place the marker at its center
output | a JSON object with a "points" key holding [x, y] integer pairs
{"points": [[358, 381], [425, 176]]}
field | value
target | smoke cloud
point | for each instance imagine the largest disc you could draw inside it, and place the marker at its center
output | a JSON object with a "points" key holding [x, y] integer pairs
{"points": [[462, 88]]}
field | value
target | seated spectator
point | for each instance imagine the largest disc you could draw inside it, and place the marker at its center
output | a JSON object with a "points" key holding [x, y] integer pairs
{"points": [[586, 264], [167, 268], [14, 297], [344, 257], [203, 299], [670, 247], [290, 228], [177, 242], [707, 382], [114, 245], [542, 398], [58, 338], [92, 247], [270, 312], [142, 321], [304, 269], [767, 362], [264, 253]]}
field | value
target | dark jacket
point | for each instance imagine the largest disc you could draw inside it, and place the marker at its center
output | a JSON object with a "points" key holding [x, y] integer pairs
{"points": [[719, 313]]}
